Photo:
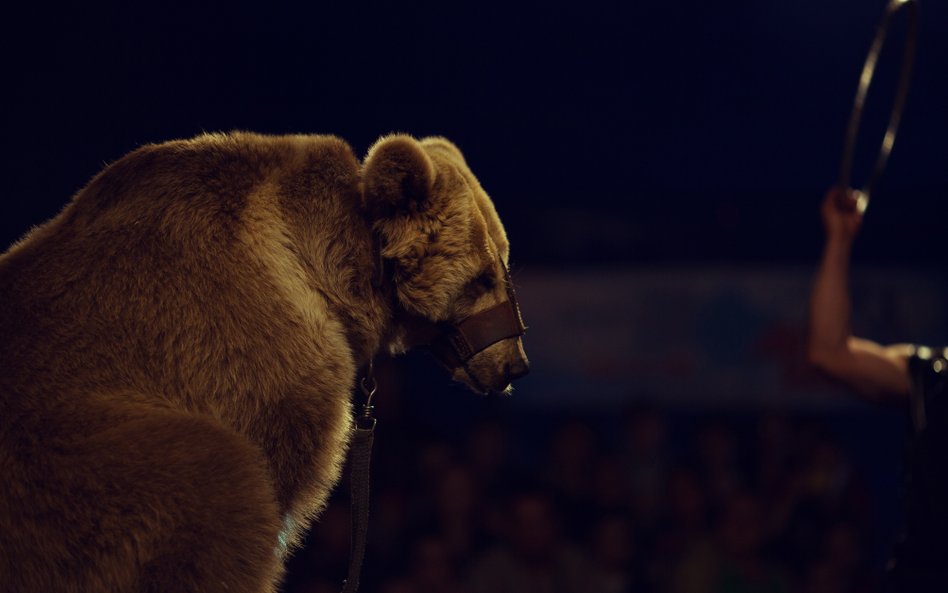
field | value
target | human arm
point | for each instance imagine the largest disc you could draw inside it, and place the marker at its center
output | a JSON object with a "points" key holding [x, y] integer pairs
{"points": [[875, 371]]}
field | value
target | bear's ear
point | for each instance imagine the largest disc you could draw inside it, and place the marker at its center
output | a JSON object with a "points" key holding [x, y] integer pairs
{"points": [[443, 144], [398, 177]]}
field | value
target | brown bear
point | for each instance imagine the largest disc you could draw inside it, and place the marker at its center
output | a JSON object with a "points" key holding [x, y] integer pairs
{"points": [[180, 344]]}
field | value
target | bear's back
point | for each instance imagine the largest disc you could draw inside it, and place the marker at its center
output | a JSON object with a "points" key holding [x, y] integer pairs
{"points": [[150, 260]]}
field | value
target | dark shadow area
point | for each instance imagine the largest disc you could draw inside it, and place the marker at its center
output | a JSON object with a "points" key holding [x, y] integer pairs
{"points": [[638, 132]]}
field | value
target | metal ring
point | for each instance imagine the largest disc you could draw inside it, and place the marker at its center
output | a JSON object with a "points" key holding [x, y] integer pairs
{"points": [[369, 386], [868, 69]]}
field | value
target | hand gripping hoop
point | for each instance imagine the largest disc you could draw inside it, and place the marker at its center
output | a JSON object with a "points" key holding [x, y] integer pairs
{"points": [[868, 69]]}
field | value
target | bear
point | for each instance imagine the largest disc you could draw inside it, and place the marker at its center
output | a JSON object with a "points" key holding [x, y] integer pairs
{"points": [[181, 342]]}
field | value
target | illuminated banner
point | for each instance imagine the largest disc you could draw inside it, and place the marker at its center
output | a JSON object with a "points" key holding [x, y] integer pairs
{"points": [[701, 336]]}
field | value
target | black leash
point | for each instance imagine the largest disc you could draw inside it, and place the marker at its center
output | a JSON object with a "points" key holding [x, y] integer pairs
{"points": [[360, 454]]}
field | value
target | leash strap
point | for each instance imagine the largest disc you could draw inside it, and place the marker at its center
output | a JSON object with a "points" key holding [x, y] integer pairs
{"points": [[360, 455]]}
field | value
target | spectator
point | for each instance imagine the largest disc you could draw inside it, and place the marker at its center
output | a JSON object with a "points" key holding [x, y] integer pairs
{"points": [[646, 464], [431, 570], [573, 456], [740, 537], [614, 556], [533, 558]]}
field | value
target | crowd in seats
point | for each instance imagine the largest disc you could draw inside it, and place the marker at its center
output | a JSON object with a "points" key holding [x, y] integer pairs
{"points": [[613, 501]]}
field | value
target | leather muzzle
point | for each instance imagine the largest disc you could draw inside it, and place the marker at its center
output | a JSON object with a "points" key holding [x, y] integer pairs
{"points": [[458, 342]]}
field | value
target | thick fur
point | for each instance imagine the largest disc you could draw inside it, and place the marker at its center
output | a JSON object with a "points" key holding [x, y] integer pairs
{"points": [[180, 343]]}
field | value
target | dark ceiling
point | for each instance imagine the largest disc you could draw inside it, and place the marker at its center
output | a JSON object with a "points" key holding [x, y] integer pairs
{"points": [[605, 131]]}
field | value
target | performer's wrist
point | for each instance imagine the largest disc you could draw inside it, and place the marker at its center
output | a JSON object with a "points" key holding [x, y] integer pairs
{"points": [[839, 245]]}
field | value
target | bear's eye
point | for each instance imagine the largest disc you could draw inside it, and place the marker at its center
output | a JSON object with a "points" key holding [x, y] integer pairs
{"points": [[486, 280]]}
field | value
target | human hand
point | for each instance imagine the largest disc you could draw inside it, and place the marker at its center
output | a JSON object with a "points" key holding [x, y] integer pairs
{"points": [[842, 212]]}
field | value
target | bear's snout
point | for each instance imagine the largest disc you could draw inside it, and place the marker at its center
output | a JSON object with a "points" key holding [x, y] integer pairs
{"points": [[492, 370], [516, 369]]}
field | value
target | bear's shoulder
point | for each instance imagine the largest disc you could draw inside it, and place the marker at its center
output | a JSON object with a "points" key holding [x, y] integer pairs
{"points": [[223, 164]]}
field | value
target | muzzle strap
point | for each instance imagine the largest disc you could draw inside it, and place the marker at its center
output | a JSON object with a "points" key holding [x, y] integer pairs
{"points": [[458, 343]]}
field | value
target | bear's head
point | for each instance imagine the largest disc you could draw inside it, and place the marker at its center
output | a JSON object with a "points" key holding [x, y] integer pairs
{"points": [[446, 253]]}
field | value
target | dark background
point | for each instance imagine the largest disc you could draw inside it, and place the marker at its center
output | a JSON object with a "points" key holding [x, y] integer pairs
{"points": [[625, 131], [628, 133]]}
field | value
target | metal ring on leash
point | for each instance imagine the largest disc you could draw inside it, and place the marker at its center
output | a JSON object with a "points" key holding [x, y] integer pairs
{"points": [[365, 418], [852, 132]]}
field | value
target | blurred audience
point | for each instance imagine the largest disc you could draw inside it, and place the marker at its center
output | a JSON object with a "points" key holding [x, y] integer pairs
{"points": [[650, 501]]}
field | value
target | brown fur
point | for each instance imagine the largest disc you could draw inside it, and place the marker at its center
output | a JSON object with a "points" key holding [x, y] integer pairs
{"points": [[180, 343]]}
